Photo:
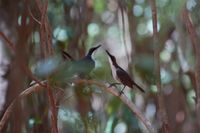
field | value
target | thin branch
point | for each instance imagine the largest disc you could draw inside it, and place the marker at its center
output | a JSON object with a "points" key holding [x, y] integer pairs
{"points": [[39, 5], [46, 42], [53, 109], [35, 19], [185, 68], [9, 110], [27, 71], [123, 98], [43, 37], [195, 42], [30, 13], [162, 110], [191, 30], [46, 50], [9, 43]]}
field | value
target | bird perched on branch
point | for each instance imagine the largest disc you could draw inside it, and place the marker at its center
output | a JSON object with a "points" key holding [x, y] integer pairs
{"points": [[123, 76], [83, 66]]}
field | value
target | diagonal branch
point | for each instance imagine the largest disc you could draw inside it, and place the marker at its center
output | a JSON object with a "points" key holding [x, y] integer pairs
{"points": [[8, 42], [123, 98], [195, 42], [6, 115]]}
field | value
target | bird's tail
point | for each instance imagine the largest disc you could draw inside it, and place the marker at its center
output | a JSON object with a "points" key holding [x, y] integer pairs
{"points": [[140, 88]]}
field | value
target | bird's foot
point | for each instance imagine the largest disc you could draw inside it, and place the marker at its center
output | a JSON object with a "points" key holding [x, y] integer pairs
{"points": [[113, 84], [121, 92]]}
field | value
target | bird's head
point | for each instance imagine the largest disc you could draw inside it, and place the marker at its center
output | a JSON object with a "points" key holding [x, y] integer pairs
{"points": [[112, 58], [92, 50]]}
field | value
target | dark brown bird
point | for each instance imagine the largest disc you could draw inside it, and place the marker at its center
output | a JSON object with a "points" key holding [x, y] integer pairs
{"points": [[123, 76]]}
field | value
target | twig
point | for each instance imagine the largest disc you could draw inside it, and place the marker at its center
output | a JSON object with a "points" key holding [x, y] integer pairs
{"points": [[9, 110], [185, 68], [43, 37], [39, 5], [9, 43], [125, 100], [162, 110], [47, 50], [35, 19], [195, 42], [30, 13], [53, 109]]}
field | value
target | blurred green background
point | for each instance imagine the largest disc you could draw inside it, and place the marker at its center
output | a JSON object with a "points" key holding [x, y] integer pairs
{"points": [[124, 27]]}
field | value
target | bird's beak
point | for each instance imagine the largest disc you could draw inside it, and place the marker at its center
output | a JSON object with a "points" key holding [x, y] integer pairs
{"points": [[97, 47], [108, 53], [92, 50], [113, 59], [111, 56]]}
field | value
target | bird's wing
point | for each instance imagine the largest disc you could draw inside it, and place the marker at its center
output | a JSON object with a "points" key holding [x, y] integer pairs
{"points": [[84, 66], [126, 79]]}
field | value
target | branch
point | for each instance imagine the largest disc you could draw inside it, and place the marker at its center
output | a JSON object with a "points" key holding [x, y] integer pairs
{"points": [[184, 65], [195, 42], [35, 19], [53, 109], [8, 42], [9, 110], [123, 98], [162, 110]]}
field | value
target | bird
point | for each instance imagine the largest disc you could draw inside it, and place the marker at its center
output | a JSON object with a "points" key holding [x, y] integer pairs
{"points": [[123, 76], [83, 66]]}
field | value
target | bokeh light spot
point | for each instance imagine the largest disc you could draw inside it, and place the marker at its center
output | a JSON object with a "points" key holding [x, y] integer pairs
{"points": [[165, 56], [93, 29], [107, 17], [147, 12], [154, 88], [180, 116], [150, 26], [60, 34], [165, 76], [191, 96], [191, 4], [137, 10], [141, 29], [19, 20], [150, 110], [120, 128], [113, 31], [175, 67]]}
